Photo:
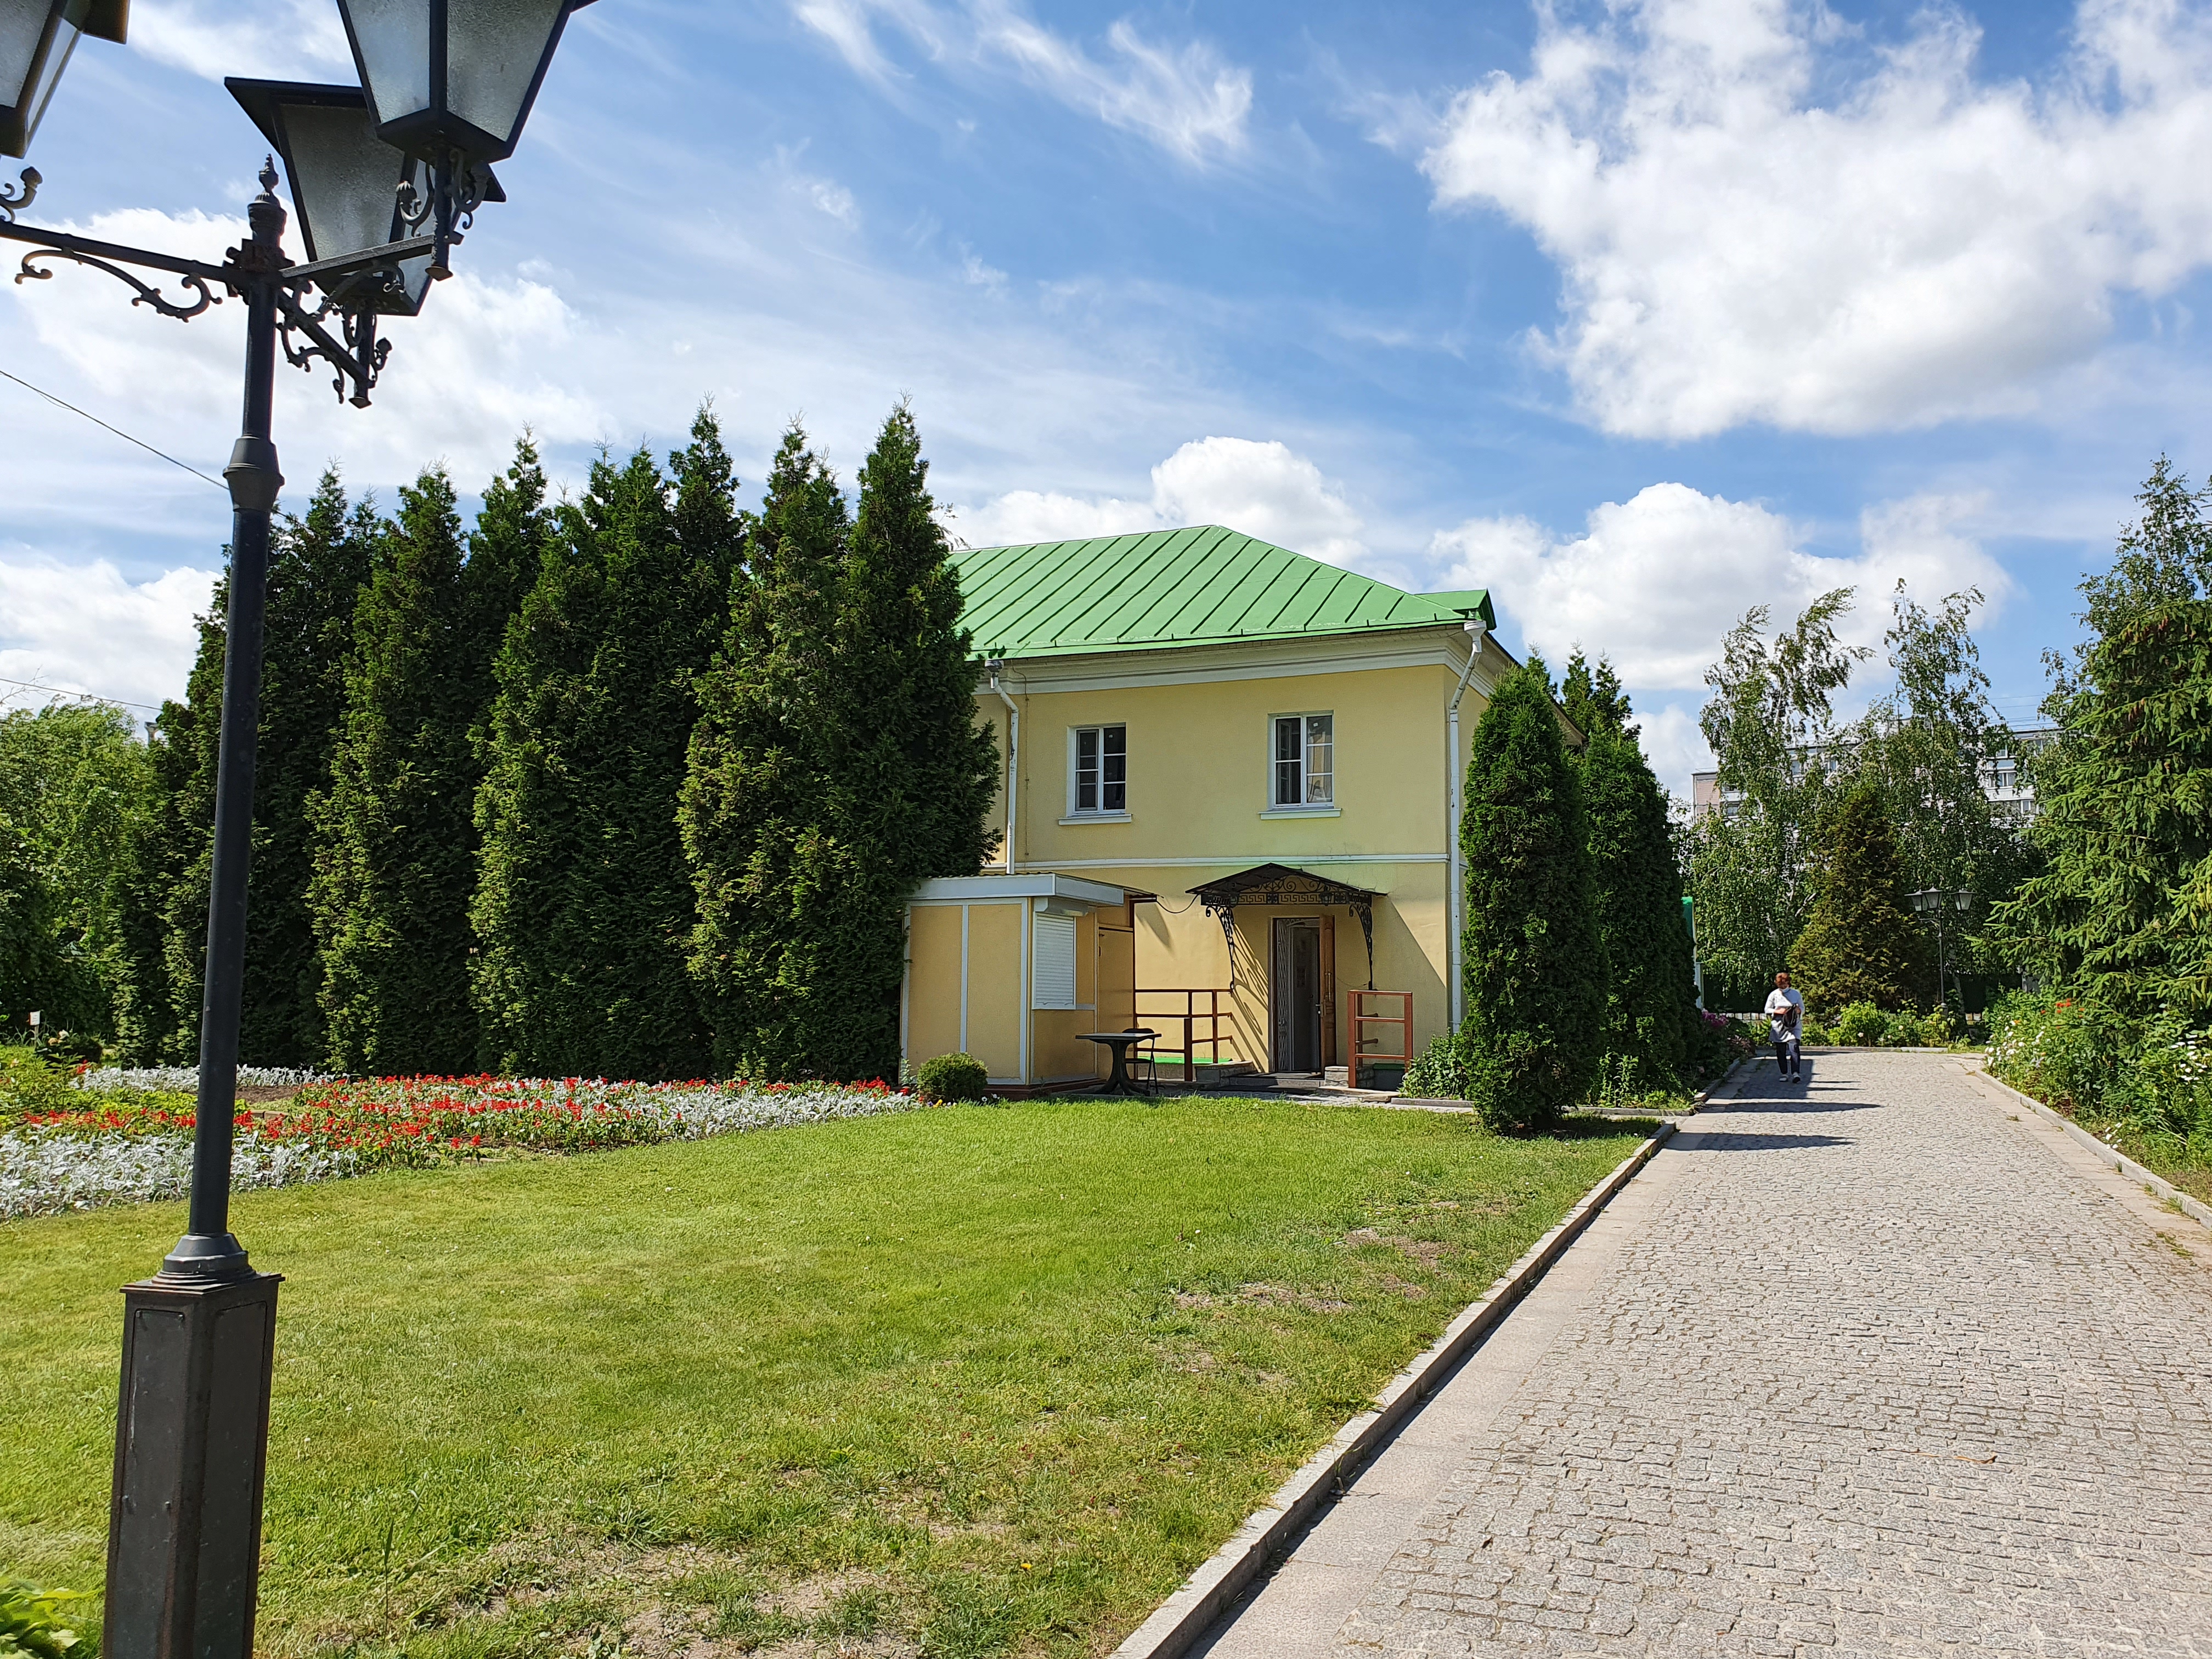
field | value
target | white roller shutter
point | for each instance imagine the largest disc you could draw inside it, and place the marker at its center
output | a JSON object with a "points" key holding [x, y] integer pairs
{"points": [[1052, 963]]}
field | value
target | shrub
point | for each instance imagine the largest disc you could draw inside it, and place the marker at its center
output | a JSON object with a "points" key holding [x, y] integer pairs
{"points": [[34, 1623], [953, 1077], [1438, 1071], [2063, 1050], [2165, 1095], [1721, 1042], [1861, 1023]]}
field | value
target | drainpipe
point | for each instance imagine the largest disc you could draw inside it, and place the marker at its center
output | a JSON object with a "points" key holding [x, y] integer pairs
{"points": [[1013, 758], [1454, 781]]}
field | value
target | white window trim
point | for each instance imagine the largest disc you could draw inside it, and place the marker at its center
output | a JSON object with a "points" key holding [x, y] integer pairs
{"points": [[1076, 814], [1301, 810]]}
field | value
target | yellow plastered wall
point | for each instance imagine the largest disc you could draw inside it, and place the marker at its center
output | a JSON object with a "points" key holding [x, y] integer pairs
{"points": [[963, 984], [1198, 806], [968, 989]]}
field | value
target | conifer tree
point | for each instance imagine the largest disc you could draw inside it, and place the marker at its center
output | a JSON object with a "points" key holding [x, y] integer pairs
{"points": [[825, 785], [175, 861], [395, 855], [1535, 970], [2122, 910], [1636, 889], [751, 810], [1861, 944], [396, 849], [317, 566], [583, 905]]}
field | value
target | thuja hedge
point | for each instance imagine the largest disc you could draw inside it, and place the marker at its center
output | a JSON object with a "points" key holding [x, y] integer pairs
{"points": [[633, 784]]}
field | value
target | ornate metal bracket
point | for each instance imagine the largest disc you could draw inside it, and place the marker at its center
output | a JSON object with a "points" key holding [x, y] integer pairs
{"points": [[12, 199], [147, 296], [359, 362]]}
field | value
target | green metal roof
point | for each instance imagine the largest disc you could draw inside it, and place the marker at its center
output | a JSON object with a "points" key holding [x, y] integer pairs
{"points": [[1171, 588]]}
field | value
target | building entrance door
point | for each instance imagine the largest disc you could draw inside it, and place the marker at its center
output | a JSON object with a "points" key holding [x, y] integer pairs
{"points": [[1295, 995]]}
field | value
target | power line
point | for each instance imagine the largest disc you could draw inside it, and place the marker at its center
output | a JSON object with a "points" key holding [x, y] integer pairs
{"points": [[82, 696], [119, 433]]}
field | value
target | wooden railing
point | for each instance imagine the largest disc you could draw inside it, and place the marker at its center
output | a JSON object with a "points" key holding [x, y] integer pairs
{"points": [[1189, 1016], [1371, 1051]]}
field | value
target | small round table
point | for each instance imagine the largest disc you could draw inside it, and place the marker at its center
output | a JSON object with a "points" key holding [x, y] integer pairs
{"points": [[1118, 1081]]}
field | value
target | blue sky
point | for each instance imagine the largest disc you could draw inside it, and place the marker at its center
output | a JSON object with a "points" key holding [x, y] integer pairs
{"points": [[1637, 314]]}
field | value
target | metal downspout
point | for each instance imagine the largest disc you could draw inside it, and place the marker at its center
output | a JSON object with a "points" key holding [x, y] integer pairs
{"points": [[1013, 758], [1455, 781]]}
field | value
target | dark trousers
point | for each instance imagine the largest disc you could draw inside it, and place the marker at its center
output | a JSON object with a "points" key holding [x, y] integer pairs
{"points": [[1787, 1060]]}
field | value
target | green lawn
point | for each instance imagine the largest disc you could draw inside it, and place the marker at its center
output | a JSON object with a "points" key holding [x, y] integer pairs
{"points": [[977, 1380]]}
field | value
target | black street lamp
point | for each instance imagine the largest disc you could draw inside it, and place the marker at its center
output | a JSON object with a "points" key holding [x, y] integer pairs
{"points": [[199, 1337], [35, 42], [451, 83], [1928, 901]]}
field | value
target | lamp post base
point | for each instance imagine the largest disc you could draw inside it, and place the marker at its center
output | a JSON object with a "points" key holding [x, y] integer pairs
{"points": [[192, 1437]]}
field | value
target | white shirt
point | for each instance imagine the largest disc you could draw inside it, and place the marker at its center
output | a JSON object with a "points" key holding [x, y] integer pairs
{"points": [[1777, 1001]]}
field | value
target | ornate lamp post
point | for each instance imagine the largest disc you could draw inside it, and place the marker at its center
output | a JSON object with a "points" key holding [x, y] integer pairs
{"points": [[1928, 901], [449, 85]]}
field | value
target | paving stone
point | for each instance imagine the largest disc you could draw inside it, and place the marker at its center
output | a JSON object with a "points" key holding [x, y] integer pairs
{"points": [[1880, 1374]]}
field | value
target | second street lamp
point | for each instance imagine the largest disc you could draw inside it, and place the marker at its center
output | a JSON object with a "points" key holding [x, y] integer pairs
{"points": [[452, 83], [199, 1336], [35, 42]]}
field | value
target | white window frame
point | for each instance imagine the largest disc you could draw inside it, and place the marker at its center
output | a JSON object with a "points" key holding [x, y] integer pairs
{"points": [[1303, 806], [1077, 813]]}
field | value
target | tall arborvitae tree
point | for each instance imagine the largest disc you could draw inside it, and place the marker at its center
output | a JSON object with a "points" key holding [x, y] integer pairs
{"points": [[1861, 944], [317, 566], [1535, 971], [395, 854], [1635, 889], [583, 906], [827, 782], [174, 862], [2122, 911]]}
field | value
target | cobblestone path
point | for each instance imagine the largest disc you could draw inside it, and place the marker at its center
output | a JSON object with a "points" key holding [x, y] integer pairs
{"points": [[1874, 1366]]}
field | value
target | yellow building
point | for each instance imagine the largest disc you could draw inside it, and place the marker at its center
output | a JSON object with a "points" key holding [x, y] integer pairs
{"points": [[1230, 810]]}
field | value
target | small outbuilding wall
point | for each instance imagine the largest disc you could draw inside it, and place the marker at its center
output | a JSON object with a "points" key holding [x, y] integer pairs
{"points": [[1013, 970]]}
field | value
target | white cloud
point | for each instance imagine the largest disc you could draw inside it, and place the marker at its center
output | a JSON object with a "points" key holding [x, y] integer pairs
{"points": [[83, 627], [1185, 97], [294, 40], [834, 200], [989, 279], [1655, 581], [485, 359], [1265, 489], [1752, 227]]}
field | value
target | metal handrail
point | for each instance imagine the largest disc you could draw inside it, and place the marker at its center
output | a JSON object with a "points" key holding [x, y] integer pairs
{"points": [[1190, 1015], [1359, 1019]]}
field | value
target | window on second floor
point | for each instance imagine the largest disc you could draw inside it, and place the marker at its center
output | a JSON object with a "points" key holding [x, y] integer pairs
{"points": [[1304, 764], [1102, 769]]}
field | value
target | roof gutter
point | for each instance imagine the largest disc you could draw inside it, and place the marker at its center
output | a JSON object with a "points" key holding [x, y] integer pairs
{"points": [[1454, 784], [1014, 756]]}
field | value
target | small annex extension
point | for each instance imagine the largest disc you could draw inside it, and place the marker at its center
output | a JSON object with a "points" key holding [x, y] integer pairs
{"points": [[1228, 811]]}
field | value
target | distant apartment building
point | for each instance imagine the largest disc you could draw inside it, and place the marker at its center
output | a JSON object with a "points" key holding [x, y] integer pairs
{"points": [[2003, 781]]}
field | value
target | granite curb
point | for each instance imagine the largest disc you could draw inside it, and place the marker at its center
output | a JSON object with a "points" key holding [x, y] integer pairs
{"points": [[1186, 1616], [2164, 1190]]}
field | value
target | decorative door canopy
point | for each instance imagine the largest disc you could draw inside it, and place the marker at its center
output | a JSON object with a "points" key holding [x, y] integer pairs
{"points": [[1277, 884]]}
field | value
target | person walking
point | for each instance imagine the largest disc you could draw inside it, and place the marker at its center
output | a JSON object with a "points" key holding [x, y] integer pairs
{"points": [[1785, 1016]]}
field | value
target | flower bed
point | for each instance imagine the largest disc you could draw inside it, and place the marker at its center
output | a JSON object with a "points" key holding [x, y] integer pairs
{"points": [[104, 1079], [136, 1146]]}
